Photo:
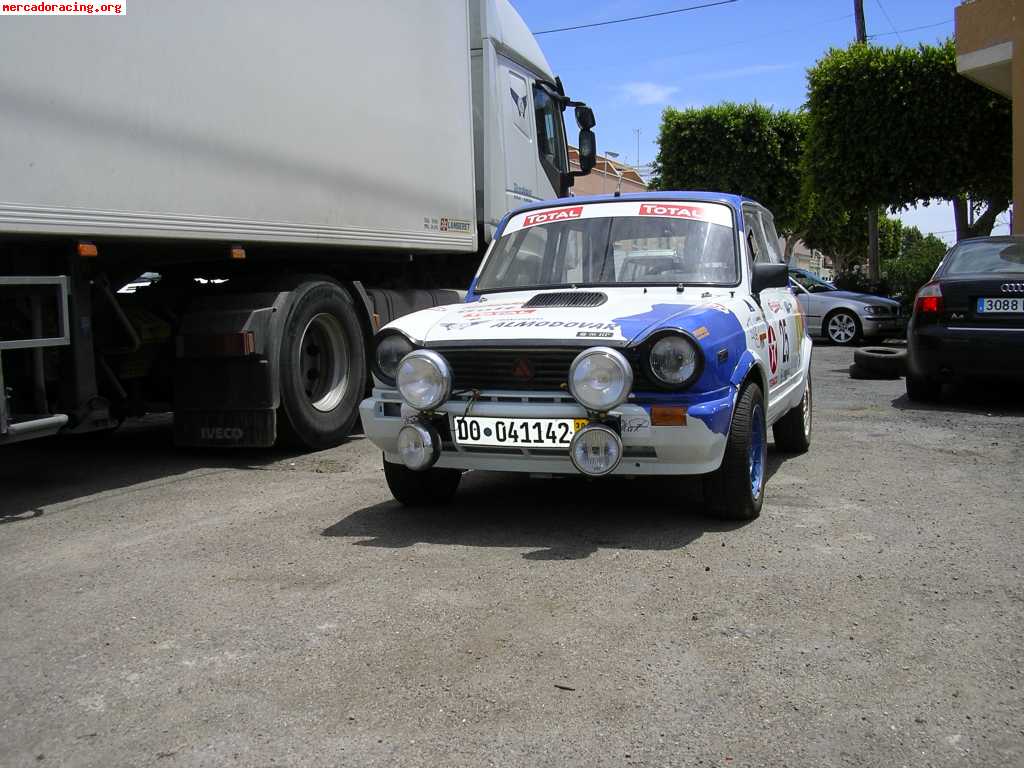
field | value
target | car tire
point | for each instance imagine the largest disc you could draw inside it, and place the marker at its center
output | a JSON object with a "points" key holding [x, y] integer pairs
{"points": [[923, 390], [792, 432], [322, 367], [426, 488], [842, 328], [735, 491], [885, 362]]}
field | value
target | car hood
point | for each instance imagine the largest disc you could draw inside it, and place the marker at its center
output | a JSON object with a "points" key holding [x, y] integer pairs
{"points": [[624, 315], [864, 298]]}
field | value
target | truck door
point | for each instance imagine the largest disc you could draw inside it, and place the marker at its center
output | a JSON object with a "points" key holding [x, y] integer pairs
{"points": [[516, 96]]}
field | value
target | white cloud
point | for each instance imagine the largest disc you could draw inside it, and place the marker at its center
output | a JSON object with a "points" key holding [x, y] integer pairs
{"points": [[648, 93]]}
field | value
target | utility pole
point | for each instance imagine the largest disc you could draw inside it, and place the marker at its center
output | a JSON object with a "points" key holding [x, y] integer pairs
{"points": [[637, 132], [874, 270]]}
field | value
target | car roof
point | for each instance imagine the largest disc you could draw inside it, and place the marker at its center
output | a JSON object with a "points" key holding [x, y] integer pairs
{"points": [[993, 239], [734, 201]]}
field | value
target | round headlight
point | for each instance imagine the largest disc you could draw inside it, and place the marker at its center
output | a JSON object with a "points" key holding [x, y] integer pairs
{"points": [[674, 360], [418, 446], [600, 378], [595, 450], [389, 353], [424, 379]]}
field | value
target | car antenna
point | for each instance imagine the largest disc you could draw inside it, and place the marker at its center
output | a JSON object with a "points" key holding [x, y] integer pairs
{"points": [[680, 287]]}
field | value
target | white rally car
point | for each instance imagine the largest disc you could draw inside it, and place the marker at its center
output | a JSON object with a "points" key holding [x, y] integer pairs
{"points": [[648, 334]]}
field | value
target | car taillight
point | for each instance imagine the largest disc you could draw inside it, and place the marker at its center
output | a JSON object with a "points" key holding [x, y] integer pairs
{"points": [[929, 299]]}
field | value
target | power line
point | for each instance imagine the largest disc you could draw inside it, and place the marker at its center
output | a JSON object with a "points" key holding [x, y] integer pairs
{"points": [[891, 25], [635, 18], [913, 29]]}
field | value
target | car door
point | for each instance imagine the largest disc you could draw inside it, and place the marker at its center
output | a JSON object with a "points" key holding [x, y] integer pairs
{"points": [[781, 352]]}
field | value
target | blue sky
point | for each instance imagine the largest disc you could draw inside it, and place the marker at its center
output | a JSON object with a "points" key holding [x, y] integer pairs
{"points": [[747, 50]]}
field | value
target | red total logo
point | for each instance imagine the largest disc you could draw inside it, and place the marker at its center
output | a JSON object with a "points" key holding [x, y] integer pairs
{"points": [[554, 214], [773, 349], [671, 209]]}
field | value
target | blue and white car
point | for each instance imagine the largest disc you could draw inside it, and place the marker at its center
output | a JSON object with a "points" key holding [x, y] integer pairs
{"points": [[647, 334]]}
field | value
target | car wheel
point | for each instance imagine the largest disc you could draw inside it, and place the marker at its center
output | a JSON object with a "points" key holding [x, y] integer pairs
{"points": [[842, 328], [922, 390], [736, 490], [792, 432], [426, 488]]}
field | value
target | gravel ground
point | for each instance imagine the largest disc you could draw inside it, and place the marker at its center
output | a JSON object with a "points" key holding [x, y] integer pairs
{"points": [[170, 607]]}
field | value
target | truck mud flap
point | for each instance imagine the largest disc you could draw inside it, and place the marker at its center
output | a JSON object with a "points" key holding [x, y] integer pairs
{"points": [[235, 429]]}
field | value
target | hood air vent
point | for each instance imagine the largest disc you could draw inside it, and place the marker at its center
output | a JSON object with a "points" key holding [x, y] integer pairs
{"points": [[567, 299]]}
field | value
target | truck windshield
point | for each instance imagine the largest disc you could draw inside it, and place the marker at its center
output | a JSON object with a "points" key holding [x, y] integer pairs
{"points": [[612, 250]]}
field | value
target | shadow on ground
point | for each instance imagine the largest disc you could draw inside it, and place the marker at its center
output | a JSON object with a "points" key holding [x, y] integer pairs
{"points": [[557, 519], [989, 398], [39, 473]]}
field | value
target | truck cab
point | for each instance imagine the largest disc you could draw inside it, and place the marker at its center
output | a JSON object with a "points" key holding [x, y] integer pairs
{"points": [[519, 130]]}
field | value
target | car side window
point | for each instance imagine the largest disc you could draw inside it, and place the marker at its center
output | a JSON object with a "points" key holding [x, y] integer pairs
{"points": [[759, 251], [771, 236]]}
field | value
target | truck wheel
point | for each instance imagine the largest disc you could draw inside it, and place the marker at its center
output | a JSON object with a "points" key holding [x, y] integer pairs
{"points": [[736, 490], [793, 431], [322, 367], [429, 487]]}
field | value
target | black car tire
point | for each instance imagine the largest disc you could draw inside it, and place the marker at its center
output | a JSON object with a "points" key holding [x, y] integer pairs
{"points": [[728, 492], [425, 488], [321, 313], [884, 362], [792, 432], [923, 390], [842, 340]]}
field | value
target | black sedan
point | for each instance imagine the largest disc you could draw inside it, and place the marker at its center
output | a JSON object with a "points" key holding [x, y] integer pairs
{"points": [[969, 320]]}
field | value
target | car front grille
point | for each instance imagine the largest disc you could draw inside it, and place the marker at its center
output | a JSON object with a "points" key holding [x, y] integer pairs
{"points": [[519, 369]]}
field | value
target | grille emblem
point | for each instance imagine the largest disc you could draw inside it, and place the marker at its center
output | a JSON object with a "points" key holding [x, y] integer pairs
{"points": [[522, 369], [1013, 287]]}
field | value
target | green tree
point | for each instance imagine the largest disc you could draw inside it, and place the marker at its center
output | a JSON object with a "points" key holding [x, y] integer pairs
{"points": [[887, 127], [746, 149]]}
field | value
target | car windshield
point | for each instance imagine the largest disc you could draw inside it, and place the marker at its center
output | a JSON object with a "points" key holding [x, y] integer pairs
{"points": [[812, 282], [984, 256], [607, 250]]}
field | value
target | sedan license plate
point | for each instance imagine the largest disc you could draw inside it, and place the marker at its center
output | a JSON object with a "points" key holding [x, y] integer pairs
{"points": [[1000, 305], [515, 433]]}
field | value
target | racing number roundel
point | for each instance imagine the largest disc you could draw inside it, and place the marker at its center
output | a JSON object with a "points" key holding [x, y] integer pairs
{"points": [[773, 349]]}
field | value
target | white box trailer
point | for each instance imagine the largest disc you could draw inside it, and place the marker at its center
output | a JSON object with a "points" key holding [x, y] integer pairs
{"points": [[293, 174]]}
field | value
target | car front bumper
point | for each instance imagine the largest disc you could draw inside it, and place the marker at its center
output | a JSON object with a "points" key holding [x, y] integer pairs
{"points": [[883, 326], [938, 351], [694, 448]]}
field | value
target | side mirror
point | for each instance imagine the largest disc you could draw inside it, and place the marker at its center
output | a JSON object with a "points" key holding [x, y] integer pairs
{"points": [[769, 276], [588, 150], [585, 117]]}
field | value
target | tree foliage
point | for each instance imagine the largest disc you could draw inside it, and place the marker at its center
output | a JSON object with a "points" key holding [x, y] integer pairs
{"points": [[887, 127], [746, 149]]}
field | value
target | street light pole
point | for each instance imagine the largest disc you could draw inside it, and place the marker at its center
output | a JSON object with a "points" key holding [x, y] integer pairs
{"points": [[874, 268]]}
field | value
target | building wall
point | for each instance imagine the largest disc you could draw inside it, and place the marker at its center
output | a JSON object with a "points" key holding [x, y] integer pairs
{"points": [[990, 51], [603, 179]]}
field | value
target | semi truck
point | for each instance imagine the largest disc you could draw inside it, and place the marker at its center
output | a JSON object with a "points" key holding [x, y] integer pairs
{"points": [[208, 208]]}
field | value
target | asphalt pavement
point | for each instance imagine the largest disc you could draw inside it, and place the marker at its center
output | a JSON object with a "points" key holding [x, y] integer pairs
{"points": [[190, 608]]}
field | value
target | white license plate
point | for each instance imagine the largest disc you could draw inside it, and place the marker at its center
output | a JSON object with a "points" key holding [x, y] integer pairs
{"points": [[992, 306], [516, 433]]}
